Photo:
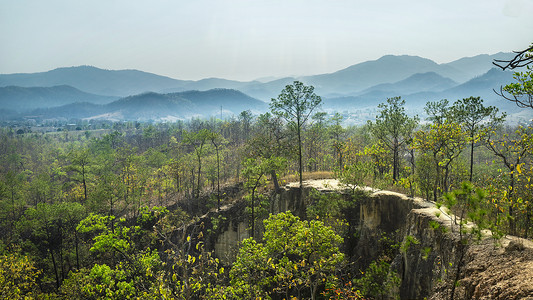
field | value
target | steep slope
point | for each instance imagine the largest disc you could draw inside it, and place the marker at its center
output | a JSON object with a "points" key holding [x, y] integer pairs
{"points": [[24, 99]]}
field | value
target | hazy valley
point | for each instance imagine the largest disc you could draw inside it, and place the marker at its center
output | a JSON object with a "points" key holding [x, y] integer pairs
{"points": [[90, 93]]}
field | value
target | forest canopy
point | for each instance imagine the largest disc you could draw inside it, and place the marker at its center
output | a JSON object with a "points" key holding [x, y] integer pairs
{"points": [[88, 213]]}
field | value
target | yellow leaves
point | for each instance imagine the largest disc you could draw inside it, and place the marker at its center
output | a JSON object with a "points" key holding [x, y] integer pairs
{"points": [[191, 259]]}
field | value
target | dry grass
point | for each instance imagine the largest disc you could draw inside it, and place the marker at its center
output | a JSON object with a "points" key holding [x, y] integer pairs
{"points": [[308, 176]]}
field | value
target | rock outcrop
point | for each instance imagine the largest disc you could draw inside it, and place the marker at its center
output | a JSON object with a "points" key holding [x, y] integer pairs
{"points": [[427, 267]]}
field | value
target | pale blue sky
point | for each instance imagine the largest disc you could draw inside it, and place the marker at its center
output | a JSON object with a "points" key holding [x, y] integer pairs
{"points": [[248, 39]]}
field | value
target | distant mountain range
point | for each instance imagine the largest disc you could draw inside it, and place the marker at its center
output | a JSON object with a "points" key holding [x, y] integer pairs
{"points": [[90, 92], [418, 89], [20, 99], [158, 107]]}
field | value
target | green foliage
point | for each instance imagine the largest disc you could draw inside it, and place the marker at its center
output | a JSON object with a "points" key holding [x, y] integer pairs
{"points": [[110, 235], [377, 281], [49, 182], [18, 277], [295, 104], [442, 144], [52, 237], [255, 173], [408, 241], [347, 291], [194, 277], [148, 217], [467, 203], [425, 252], [476, 119], [295, 258], [393, 128], [330, 209], [137, 278]]}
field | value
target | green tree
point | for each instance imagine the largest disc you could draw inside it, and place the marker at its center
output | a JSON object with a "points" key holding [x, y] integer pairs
{"points": [[393, 127], [476, 119], [11, 199], [18, 277], [52, 229], [296, 258], [198, 141], [467, 205], [295, 104], [377, 280], [80, 167], [512, 149], [218, 142], [255, 173], [444, 142], [438, 111], [269, 139], [137, 278], [337, 132]]}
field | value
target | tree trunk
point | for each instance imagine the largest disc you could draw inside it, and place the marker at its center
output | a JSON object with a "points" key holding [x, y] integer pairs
{"points": [[199, 172], [218, 180], [528, 219], [274, 176], [512, 227], [446, 175], [77, 251], [395, 163], [437, 180], [472, 159], [253, 216], [55, 267], [84, 185], [300, 155]]}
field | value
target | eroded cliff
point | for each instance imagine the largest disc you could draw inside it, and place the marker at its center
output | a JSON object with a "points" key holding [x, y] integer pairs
{"points": [[427, 267]]}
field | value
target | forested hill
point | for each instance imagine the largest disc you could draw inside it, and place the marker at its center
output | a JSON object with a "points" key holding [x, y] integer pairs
{"points": [[160, 107], [352, 79], [94, 80], [355, 91], [21, 99]]}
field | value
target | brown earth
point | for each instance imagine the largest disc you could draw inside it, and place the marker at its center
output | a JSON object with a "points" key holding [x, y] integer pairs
{"points": [[494, 272]]}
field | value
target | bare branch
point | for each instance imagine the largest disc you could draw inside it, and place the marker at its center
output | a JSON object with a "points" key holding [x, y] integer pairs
{"points": [[521, 59], [513, 98]]}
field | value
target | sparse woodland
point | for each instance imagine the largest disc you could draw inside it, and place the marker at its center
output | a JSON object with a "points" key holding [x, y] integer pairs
{"points": [[85, 214]]}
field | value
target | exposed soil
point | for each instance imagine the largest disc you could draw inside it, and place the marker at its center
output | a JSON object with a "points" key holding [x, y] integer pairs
{"points": [[492, 272]]}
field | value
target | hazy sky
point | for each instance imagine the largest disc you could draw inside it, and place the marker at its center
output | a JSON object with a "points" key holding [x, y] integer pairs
{"points": [[248, 39]]}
